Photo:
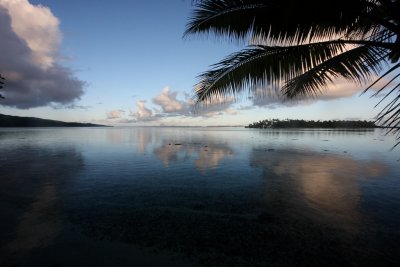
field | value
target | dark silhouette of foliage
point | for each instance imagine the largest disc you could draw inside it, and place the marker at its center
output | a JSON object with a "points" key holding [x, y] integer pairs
{"points": [[301, 47], [16, 121], [343, 124]]}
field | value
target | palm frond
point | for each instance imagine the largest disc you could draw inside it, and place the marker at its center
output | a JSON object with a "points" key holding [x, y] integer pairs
{"points": [[382, 76], [389, 116], [359, 65], [302, 46], [220, 17], [280, 21], [262, 66]]}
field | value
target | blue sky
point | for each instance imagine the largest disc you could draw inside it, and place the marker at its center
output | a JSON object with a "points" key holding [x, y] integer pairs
{"points": [[126, 63]]}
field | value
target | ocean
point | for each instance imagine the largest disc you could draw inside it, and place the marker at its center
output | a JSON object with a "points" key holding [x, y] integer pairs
{"points": [[198, 196]]}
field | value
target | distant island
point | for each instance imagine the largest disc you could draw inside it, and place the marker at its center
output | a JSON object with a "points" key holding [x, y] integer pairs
{"points": [[15, 121], [276, 123]]}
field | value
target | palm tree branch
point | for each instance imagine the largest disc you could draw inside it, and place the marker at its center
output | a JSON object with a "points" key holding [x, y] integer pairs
{"points": [[392, 120], [385, 86], [395, 67], [267, 65], [385, 45], [220, 16], [377, 11], [357, 65], [274, 20]]}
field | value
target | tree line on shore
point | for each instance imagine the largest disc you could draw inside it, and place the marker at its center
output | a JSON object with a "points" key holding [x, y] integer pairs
{"points": [[287, 123]]}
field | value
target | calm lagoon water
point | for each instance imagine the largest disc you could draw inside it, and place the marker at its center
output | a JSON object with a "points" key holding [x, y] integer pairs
{"points": [[159, 196]]}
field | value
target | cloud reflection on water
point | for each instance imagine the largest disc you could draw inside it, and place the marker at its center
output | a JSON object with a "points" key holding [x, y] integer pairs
{"points": [[205, 152], [205, 156], [326, 187], [143, 138], [34, 228], [30, 188]]}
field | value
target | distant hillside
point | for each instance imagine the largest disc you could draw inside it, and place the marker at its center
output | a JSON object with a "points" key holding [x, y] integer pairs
{"points": [[15, 121], [275, 123]]}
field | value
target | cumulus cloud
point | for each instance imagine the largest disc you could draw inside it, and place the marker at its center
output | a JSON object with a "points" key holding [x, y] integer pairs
{"points": [[38, 27], [168, 102], [219, 107], [168, 105], [29, 46], [275, 101], [341, 89], [115, 114], [142, 113], [231, 111]]}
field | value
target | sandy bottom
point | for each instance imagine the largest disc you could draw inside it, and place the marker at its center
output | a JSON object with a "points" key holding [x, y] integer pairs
{"points": [[75, 249], [42, 236]]}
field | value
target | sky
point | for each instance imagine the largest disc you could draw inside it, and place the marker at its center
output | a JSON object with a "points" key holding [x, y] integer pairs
{"points": [[127, 63]]}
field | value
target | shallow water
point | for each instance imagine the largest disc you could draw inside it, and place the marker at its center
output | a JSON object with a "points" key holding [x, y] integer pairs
{"points": [[207, 196]]}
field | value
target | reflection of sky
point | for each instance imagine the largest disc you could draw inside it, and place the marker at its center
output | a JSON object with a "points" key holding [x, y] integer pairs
{"points": [[321, 184], [33, 175], [34, 229], [205, 156], [361, 144], [287, 181]]}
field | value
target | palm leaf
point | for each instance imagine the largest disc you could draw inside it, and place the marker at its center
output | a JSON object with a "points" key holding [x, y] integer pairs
{"points": [[389, 116], [358, 65], [302, 52], [301, 70], [280, 21], [262, 66]]}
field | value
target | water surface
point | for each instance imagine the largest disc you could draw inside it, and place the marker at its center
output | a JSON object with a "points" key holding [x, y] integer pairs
{"points": [[198, 196]]}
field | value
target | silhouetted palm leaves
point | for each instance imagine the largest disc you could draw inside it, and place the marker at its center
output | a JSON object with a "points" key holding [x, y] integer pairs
{"points": [[301, 47]]}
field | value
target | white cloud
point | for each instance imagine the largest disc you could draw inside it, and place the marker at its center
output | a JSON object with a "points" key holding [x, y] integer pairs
{"points": [[216, 108], [142, 112], [30, 40], [168, 102], [168, 105], [115, 114], [272, 102], [267, 99], [38, 27], [231, 111], [341, 89]]}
